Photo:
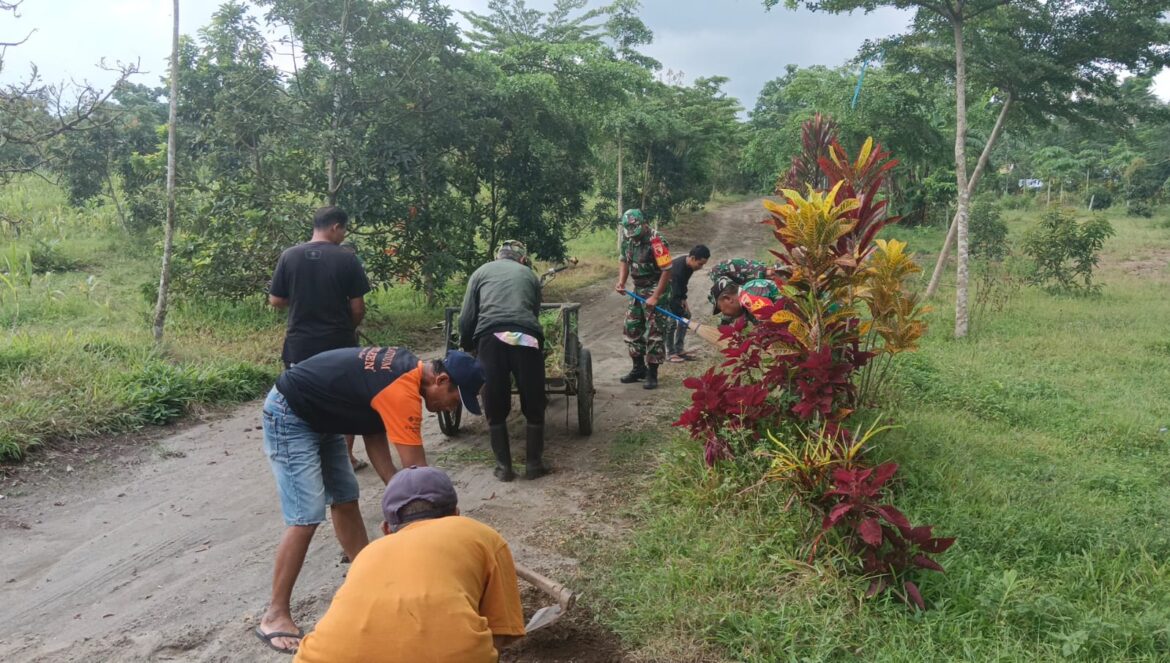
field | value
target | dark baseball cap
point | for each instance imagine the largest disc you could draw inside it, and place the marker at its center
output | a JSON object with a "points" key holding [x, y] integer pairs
{"points": [[467, 373], [418, 483]]}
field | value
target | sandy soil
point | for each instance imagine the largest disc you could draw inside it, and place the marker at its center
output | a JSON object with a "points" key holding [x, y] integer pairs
{"points": [[164, 551]]}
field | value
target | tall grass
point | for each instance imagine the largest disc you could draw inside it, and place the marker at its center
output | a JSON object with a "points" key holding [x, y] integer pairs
{"points": [[1041, 442], [76, 295]]}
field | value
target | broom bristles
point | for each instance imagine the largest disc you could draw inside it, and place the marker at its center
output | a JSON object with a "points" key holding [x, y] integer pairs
{"points": [[708, 333]]}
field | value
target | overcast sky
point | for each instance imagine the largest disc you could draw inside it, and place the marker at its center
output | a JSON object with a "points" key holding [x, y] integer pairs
{"points": [[733, 38]]}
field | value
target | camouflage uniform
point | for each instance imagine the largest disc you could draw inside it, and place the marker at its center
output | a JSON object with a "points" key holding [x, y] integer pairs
{"points": [[736, 271], [750, 276], [752, 294], [645, 328]]}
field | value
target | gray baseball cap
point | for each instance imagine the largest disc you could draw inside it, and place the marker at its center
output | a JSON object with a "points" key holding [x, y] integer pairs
{"points": [[418, 483]]}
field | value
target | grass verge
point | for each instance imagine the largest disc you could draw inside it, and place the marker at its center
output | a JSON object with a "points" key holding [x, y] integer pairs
{"points": [[1041, 442]]}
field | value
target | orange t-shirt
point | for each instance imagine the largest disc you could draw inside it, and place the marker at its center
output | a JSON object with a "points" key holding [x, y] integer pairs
{"points": [[400, 406], [435, 591]]}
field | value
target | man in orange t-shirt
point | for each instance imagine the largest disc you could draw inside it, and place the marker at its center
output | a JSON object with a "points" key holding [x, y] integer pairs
{"points": [[440, 588], [374, 392]]}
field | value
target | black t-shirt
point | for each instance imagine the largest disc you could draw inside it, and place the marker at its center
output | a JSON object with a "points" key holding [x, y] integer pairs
{"points": [[318, 279], [354, 391], [680, 277]]}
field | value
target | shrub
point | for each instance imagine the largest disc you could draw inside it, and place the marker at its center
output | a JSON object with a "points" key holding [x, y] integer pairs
{"points": [[820, 350], [1099, 198], [889, 546], [988, 232], [1064, 251], [1141, 208]]}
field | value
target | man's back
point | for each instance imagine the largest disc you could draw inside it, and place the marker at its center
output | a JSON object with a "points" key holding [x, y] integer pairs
{"points": [[503, 294], [435, 591], [318, 278]]}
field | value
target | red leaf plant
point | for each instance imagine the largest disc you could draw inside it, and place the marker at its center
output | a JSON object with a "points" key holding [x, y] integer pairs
{"points": [[883, 538]]}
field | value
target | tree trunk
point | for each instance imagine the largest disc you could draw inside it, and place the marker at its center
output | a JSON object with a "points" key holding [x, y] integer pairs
{"points": [[645, 181], [114, 197], [619, 196], [984, 157], [964, 203], [334, 181], [164, 282]]}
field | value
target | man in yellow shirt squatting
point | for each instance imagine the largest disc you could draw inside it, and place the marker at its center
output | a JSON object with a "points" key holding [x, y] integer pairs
{"points": [[439, 588]]}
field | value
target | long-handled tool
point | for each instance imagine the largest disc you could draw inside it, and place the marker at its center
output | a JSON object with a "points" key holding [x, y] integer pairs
{"points": [[549, 614], [705, 332]]}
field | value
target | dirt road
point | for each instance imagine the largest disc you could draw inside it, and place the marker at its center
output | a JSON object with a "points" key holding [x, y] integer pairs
{"points": [[165, 552]]}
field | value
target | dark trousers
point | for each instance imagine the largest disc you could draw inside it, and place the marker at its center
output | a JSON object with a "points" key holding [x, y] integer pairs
{"points": [[676, 336], [502, 362]]}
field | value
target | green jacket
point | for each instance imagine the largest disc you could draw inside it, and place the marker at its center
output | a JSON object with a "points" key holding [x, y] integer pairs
{"points": [[502, 295]]}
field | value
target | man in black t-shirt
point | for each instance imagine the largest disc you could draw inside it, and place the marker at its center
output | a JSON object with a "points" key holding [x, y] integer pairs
{"points": [[323, 285], [376, 392], [680, 278]]}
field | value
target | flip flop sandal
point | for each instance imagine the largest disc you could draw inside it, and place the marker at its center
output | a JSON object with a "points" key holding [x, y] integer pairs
{"points": [[360, 465], [676, 359], [266, 638]]}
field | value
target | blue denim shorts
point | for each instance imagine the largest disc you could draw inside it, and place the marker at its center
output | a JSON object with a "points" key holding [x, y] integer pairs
{"points": [[312, 469]]}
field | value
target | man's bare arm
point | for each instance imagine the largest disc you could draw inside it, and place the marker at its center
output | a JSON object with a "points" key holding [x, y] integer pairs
{"points": [[378, 451], [411, 454], [357, 310], [278, 302]]}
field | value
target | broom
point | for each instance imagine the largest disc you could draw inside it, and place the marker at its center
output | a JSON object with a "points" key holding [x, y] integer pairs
{"points": [[705, 332]]}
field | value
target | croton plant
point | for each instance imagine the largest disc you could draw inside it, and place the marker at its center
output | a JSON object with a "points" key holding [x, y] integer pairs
{"points": [[804, 364]]}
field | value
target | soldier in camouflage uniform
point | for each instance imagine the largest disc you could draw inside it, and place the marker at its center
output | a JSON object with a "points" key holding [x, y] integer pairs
{"points": [[740, 286], [645, 257]]}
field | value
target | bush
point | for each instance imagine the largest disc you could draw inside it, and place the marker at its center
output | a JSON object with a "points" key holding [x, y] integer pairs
{"points": [[46, 256], [1065, 252], [1141, 208], [988, 232], [1099, 198], [1017, 202]]}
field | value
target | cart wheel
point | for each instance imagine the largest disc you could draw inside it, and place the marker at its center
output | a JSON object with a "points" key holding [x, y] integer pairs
{"points": [[449, 422], [585, 392]]}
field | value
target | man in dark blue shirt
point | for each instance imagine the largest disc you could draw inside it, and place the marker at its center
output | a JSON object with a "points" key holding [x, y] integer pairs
{"points": [[681, 271]]}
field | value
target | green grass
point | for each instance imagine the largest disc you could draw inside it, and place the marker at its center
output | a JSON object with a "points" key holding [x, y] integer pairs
{"points": [[77, 357], [1040, 442]]}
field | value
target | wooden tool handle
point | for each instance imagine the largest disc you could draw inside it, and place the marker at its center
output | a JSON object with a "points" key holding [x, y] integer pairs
{"points": [[557, 591]]}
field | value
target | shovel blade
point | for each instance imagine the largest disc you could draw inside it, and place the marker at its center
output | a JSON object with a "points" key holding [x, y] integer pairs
{"points": [[546, 616]]}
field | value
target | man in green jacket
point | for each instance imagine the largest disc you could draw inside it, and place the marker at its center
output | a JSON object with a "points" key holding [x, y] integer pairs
{"points": [[501, 321]]}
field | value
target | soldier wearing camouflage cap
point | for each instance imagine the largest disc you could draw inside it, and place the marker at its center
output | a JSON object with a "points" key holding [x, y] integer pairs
{"points": [[740, 286], [645, 257]]}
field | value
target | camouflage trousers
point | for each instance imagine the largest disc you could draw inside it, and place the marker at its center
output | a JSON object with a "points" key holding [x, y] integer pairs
{"points": [[646, 329]]}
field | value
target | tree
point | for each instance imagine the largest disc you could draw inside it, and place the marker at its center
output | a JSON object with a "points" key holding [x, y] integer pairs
{"points": [[1046, 57], [89, 160], [33, 114], [160, 307]]}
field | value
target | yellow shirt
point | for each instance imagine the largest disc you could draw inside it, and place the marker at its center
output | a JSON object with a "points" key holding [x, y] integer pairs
{"points": [[434, 591]]}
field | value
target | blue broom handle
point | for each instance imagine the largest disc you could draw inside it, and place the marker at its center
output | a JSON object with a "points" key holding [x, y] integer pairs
{"points": [[660, 309]]}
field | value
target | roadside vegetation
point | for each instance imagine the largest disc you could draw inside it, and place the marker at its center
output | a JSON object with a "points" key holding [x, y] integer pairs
{"points": [[1041, 443]]}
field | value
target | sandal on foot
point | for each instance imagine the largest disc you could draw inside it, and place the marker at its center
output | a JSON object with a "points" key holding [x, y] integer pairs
{"points": [[266, 638], [360, 465], [676, 359]]}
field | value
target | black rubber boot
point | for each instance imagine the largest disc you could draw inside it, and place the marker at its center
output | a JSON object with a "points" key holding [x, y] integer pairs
{"points": [[534, 466], [503, 452], [651, 377], [637, 373]]}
